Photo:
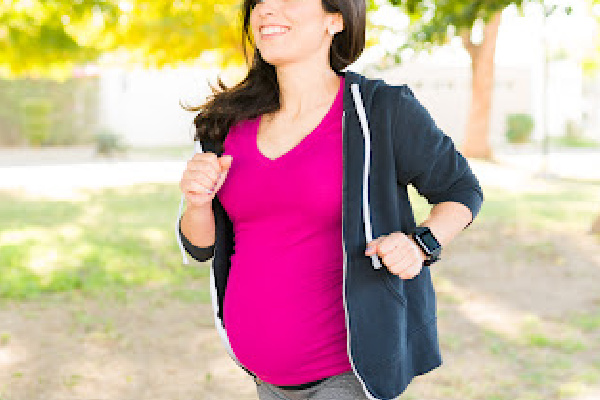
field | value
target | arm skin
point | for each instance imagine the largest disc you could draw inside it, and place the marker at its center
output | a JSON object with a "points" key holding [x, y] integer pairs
{"points": [[446, 220], [198, 225]]}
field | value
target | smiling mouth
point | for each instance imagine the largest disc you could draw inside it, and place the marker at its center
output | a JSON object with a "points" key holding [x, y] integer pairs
{"points": [[270, 32]]}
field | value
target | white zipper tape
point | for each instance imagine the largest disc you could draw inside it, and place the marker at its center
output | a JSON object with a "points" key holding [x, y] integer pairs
{"points": [[366, 168]]}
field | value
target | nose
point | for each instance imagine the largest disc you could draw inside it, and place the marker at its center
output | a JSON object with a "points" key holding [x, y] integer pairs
{"points": [[264, 7]]}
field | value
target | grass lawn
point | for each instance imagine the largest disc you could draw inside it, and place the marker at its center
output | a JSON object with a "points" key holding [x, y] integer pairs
{"points": [[112, 239], [518, 309]]}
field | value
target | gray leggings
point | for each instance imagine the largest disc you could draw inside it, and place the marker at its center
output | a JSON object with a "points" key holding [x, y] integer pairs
{"points": [[338, 387]]}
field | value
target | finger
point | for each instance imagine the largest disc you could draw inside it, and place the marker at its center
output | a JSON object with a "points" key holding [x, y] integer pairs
{"points": [[393, 240], [199, 178], [389, 247], [197, 199], [202, 168], [420, 256], [193, 188], [205, 160], [393, 257], [373, 245], [410, 272], [207, 156], [225, 161], [401, 264], [221, 180]]}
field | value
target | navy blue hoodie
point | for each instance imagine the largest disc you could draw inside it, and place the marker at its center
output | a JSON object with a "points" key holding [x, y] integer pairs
{"points": [[390, 141]]}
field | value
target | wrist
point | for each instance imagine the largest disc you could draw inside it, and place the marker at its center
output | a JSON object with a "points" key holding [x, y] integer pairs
{"points": [[427, 243], [202, 209]]}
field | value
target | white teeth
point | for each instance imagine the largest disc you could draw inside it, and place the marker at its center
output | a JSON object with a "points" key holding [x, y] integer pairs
{"points": [[268, 30]]}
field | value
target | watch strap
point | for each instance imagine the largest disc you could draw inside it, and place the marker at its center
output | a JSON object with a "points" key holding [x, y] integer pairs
{"points": [[432, 254]]}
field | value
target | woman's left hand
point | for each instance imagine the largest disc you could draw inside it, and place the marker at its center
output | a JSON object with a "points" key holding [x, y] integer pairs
{"points": [[399, 253]]}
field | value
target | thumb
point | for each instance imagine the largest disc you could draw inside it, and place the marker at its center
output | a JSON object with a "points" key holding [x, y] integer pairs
{"points": [[225, 162], [372, 246]]}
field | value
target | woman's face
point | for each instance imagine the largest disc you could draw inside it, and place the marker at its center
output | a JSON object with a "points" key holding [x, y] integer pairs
{"points": [[304, 32]]}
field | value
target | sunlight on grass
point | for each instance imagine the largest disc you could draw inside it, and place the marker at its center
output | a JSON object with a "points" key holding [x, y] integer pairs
{"points": [[538, 333], [120, 237], [586, 320], [571, 389], [566, 205], [125, 237], [518, 326]]}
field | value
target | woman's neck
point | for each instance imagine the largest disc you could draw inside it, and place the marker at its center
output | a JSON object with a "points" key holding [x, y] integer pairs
{"points": [[305, 92]]}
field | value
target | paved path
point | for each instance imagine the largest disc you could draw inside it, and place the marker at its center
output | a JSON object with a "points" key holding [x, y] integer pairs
{"points": [[64, 181], [63, 174], [573, 163]]}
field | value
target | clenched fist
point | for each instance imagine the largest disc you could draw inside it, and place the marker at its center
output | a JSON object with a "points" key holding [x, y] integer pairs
{"points": [[203, 177], [399, 253]]}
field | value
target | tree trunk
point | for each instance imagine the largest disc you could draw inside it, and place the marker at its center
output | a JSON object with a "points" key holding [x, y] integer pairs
{"points": [[477, 141], [596, 226]]}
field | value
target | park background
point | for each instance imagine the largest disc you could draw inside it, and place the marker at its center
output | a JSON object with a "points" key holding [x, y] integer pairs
{"points": [[95, 302]]}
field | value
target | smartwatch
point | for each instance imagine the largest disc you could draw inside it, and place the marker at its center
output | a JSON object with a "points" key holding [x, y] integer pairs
{"points": [[428, 243]]}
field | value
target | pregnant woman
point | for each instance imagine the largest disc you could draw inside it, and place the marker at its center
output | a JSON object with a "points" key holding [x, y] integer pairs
{"points": [[320, 281]]}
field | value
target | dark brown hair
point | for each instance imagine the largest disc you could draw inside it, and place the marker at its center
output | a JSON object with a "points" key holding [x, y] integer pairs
{"points": [[258, 92]]}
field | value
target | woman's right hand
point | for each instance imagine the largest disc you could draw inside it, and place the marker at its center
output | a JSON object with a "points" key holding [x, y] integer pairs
{"points": [[203, 177]]}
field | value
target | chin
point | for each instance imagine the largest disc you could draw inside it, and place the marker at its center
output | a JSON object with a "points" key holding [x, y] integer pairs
{"points": [[275, 60]]}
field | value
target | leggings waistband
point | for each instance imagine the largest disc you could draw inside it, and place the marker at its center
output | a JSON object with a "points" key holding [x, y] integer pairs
{"points": [[302, 386]]}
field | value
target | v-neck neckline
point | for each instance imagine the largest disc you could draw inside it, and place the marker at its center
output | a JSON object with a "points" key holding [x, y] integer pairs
{"points": [[306, 139]]}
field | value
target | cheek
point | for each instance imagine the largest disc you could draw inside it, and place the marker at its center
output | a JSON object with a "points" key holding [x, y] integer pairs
{"points": [[253, 24], [309, 17]]}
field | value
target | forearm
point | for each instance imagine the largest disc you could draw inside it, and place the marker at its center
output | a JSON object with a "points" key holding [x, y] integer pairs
{"points": [[198, 225], [446, 220]]}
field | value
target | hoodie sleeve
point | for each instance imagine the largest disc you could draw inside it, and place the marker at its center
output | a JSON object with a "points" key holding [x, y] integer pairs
{"points": [[427, 158], [198, 253]]}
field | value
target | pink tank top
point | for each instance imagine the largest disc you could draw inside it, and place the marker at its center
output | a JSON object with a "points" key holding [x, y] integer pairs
{"points": [[283, 307]]}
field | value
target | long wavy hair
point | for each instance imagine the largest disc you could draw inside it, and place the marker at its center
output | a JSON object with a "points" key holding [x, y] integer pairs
{"points": [[258, 92]]}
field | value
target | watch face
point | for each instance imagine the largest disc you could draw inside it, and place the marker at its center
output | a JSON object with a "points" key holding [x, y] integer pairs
{"points": [[429, 241]]}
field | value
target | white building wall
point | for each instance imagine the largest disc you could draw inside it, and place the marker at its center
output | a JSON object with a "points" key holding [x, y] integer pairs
{"points": [[143, 105], [446, 93]]}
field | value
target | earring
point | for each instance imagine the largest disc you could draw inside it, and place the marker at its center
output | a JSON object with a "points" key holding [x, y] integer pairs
{"points": [[331, 32]]}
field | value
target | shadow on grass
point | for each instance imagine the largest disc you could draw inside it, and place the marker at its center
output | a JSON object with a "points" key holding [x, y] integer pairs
{"points": [[115, 238], [519, 313]]}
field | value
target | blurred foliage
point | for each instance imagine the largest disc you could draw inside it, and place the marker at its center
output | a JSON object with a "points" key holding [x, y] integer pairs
{"points": [[573, 129], [46, 112], [35, 113], [108, 142], [48, 38], [519, 128], [573, 141], [436, 22], [163, 32]]}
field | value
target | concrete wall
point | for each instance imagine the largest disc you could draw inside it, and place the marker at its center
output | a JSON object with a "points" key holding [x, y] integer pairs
{"points": [[143, 105]]}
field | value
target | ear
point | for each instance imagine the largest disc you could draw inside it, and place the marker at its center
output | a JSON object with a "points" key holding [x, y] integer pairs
{"points": [[336, 23]]}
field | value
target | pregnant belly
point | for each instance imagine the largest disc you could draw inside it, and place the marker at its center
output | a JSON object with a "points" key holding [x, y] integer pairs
{"points": [[279, 320]]}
